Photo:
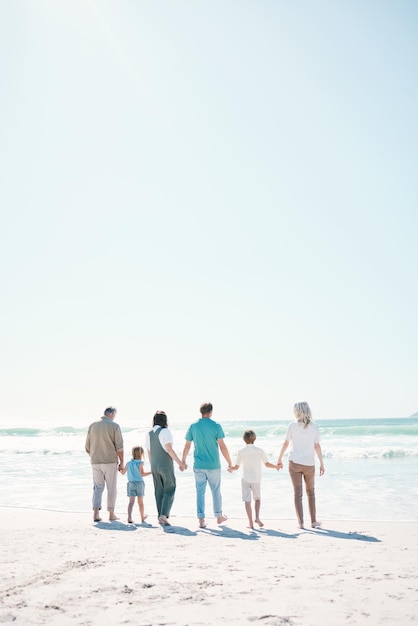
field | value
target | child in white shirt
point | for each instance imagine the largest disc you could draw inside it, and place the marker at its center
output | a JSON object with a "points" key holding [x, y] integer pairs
{"points": [[251, 458]]}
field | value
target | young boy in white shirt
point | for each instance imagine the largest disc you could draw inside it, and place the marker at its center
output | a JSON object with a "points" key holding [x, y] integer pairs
{"points": [[251, 458]]}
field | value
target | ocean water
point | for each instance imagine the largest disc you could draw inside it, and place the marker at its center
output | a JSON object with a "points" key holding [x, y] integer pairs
{"points": [[371, 470]]}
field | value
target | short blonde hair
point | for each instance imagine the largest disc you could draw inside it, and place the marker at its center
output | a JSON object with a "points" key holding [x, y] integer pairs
{"points": [[303, 413]]}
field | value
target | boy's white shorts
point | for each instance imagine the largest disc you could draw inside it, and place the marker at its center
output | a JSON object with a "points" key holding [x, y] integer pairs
{"points": [[248, 488]]}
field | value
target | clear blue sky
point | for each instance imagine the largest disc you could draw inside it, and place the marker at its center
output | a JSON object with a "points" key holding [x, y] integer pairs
{"points": [[208, 201]]}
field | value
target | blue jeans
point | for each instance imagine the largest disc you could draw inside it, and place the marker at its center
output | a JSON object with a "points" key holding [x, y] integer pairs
{"points": [[202, 478]]}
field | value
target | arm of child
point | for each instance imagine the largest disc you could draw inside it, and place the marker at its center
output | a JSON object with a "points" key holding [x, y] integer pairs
{"points": [[142, 471], [268, 464], [233, 468]]}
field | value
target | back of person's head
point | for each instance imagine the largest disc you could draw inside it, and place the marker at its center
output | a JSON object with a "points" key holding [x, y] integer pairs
{"points": [[137, 453], [249, 436], [206, 408], [110, 411], [160, 419], [303, 413]]}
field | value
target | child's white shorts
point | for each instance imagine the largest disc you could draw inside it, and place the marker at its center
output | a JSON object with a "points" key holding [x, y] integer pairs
{"points": [[248, 488]]}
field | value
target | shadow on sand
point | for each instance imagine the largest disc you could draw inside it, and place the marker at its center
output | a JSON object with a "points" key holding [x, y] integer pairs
{"points": [[276, 533], [179, 530], [230, 533], [115, 525], [336, 534]]}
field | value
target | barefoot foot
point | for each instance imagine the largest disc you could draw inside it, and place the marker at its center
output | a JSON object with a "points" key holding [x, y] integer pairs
{"points": [[221, 519], [259, 522], [164, 520], [316, 524]]}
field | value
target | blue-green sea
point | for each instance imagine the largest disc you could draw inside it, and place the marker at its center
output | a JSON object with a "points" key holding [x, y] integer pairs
{"points": [[371, 470]]}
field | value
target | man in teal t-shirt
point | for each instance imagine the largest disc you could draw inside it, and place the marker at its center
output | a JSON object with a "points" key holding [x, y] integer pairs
{"points": [[208, 439]]}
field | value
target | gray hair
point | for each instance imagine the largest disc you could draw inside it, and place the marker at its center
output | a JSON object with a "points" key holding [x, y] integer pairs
{"points": [[110, 411], [303, 413]]}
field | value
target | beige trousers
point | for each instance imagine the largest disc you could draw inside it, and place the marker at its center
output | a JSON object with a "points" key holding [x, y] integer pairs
{"points": [[298, 473], [105, 474]]}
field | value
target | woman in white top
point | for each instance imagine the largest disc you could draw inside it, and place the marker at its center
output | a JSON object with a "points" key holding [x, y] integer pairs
{"points": [[159, 443], [303, 435]]}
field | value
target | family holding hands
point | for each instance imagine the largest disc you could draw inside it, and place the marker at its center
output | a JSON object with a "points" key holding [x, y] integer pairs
{"points": [[104, 444]]}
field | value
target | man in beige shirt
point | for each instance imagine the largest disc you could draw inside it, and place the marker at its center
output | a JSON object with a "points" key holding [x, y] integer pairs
{"points": [[104, 445]]}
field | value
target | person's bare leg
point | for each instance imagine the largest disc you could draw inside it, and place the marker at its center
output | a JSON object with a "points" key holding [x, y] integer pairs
{"points": [[130, 509], [257, 505], [141, 508], [249, 512], [96, 515]]}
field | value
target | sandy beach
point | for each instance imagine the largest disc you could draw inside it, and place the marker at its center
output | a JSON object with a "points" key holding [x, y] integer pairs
{"points": [[60, 568]]}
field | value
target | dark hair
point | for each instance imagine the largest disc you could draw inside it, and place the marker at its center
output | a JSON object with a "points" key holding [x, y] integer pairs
{"points": [[160, 419], [110, 410], [206, 408], [249, 436]]}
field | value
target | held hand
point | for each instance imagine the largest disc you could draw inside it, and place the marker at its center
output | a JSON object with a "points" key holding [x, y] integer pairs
{"points": [[321, 470], [279, 466]]}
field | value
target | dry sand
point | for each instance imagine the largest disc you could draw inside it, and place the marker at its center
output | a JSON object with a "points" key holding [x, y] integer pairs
{"points": [[60, 568]]}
